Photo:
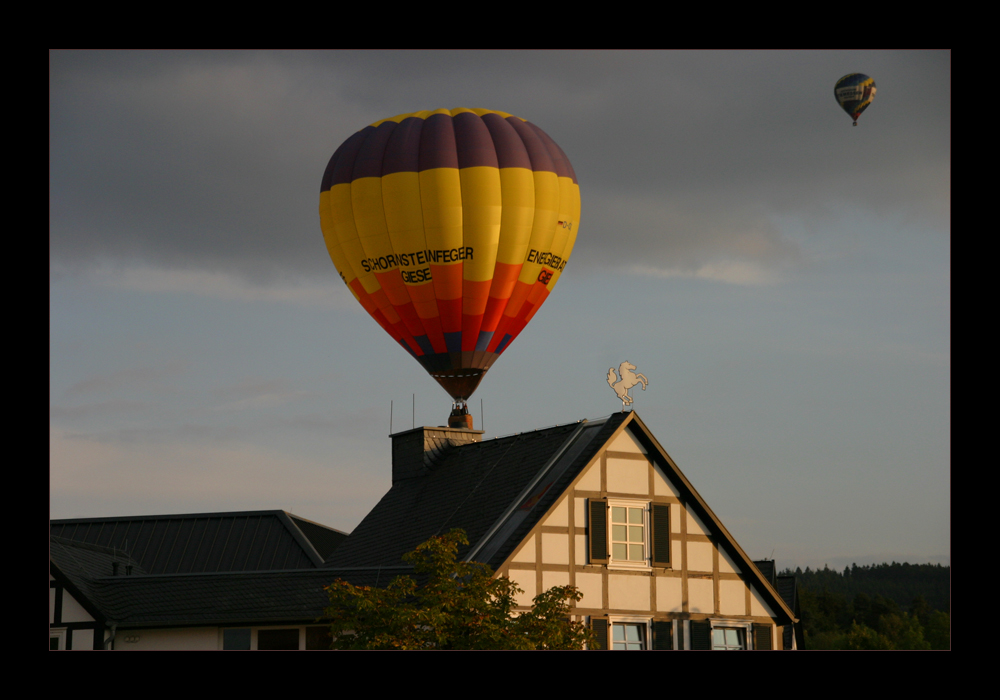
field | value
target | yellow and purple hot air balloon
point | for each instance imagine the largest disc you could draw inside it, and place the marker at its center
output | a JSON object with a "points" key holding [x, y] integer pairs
{"points": [[854, 92], [451, 227]]}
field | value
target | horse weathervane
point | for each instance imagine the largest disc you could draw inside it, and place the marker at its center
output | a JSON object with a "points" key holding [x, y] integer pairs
{"points": [[628, 380]]}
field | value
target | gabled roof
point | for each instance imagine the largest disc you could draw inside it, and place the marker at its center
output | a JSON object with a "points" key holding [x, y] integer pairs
{"points": [[209, 542], [260, 566], [495, 490], [498, 490]]}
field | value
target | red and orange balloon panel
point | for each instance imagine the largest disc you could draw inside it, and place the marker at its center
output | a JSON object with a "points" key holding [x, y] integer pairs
{"points": [[451, 228]]}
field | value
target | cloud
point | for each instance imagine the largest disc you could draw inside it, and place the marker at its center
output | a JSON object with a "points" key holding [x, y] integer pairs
{"points": [[141, 376], [730, 242], [222, 285]]}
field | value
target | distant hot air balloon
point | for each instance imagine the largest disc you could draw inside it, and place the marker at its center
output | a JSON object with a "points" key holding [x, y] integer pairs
{"points": [[451, 228], [854, 92]]}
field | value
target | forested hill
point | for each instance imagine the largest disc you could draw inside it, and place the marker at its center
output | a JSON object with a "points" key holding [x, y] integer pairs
{"points": [[898, 582], [883, 606]]}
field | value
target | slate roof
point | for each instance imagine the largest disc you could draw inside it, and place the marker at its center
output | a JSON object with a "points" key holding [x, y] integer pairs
{"points": [[209, 542], [495, 490], [193, 599]]}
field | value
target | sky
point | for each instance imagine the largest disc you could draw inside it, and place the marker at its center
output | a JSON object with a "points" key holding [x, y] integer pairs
{"points": [[781, 277]]}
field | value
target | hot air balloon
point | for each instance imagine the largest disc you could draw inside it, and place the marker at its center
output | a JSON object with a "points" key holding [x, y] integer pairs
{"points": [[450, 227], [854, 92]]}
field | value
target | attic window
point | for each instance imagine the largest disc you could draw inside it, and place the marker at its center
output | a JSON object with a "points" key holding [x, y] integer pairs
{"points": [[629, 534]]}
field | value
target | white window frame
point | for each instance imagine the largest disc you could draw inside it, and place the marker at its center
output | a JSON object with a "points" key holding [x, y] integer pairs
{"points": [[745, 626], [644, 622], [646, 563]]}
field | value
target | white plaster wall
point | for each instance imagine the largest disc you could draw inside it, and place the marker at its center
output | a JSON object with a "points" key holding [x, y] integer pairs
{"points": [[669, 594], [581, 549], [559, 516], [193, 639], [628, 476], [626, 443], [699, 556], [732, 598], [701, 597], [757, 604], [662, 485], [527, 552], [694, 525], [555, 548], [554, 578], [592, 587], [526, 581], [73, 612], [675, 553], [591, 479], [83, 640], [628, 592], [726, 564]]}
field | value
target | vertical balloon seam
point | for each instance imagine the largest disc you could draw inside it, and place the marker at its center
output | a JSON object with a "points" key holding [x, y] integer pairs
{"points": [[398, 271]]}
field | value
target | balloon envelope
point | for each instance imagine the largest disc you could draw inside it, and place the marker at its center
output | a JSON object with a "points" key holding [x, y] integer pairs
{"points": [[854, 92], [451, 227]]}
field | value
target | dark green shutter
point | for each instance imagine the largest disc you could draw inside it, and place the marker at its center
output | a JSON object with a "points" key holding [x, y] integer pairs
{"points": [[762, 637], [701, 635], [661, 535], [598, 531], [663, 635], [600, 627]]}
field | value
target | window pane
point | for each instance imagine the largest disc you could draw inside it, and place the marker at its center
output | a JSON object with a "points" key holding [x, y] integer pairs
{"points": [[635, 552], [619, 633], [617, 514], [618, 533], [619, 551], [635, 534], [635, 516]]}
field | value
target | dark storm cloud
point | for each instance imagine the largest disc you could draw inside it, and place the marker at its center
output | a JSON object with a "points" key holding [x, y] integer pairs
{"points": [[213, 160]]}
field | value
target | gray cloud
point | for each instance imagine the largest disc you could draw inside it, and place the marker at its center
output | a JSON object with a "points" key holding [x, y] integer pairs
{"points": [[212, 160]]}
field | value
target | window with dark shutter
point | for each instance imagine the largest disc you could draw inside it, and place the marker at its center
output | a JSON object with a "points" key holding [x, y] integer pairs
{"points": [[762, 637], [598, 532], [600, 627], [701, 635], [661, 535], [663, 635]]}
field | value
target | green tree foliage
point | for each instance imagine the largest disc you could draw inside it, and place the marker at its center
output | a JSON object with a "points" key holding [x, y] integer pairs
{"points": [[863, 637], [459, 605], [861, 607]]}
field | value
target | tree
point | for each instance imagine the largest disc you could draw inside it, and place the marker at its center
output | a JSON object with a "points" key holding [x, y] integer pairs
{"points": [[458, 605]]}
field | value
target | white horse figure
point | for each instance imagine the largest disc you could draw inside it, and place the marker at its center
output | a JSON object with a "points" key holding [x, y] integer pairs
{"points": [[628, 380]]}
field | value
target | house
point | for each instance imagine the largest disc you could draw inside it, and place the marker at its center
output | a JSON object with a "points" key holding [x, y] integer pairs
{"points": [[596, 504]]}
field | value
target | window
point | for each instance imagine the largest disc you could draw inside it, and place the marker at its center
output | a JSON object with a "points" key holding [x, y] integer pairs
{"points": [[629, 534], [628, 636], [631, 633], [720, 635], [728, 639]]}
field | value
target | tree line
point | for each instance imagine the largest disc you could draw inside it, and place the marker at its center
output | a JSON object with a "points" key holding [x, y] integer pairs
{"points": [[882, 606]]}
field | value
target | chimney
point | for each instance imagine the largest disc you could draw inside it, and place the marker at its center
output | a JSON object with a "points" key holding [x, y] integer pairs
{"points": [[415, 452]]}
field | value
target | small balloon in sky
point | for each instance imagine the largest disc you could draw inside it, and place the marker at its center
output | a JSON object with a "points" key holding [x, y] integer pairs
{"points": [[854, 92]]}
